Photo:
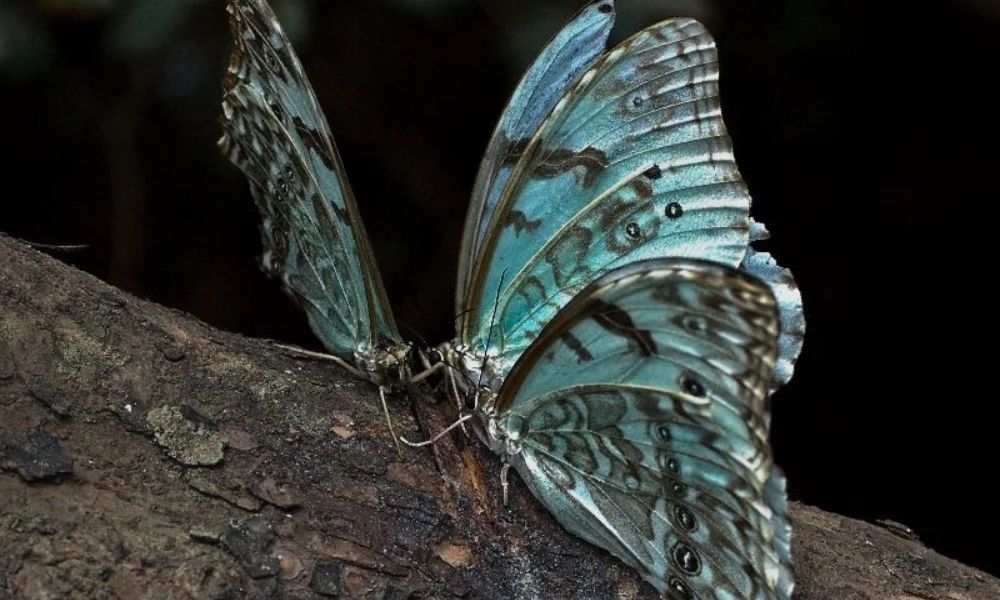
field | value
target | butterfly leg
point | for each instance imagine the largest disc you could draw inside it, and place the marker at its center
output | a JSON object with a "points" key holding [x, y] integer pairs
{"points": [[388, 419], [427, 372], [456, 395], [503, 481], [321, 356], [459, 422], [452, 390]]}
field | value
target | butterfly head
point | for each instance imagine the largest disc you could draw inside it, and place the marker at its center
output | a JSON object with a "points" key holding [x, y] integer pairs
{"points": [[482, 399], [387, 364], [397, 354], [394, 361]]}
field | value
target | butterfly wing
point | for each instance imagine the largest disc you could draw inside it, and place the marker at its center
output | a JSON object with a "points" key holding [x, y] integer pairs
{"points": [[314, 242], [641, 413], [793, 321], [571, 52], [633, 162]]}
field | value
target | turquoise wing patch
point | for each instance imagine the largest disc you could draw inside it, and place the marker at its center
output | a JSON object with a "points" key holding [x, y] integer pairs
{"points": [[559, 65]]}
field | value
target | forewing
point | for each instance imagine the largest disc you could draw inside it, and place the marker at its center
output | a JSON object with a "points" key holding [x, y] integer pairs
{"points": [[571, 52], [633, 163], [314, 242], [642, 415]]}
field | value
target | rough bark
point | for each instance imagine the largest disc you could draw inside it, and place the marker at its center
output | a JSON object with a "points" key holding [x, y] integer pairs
{"points": [[147, 455]]}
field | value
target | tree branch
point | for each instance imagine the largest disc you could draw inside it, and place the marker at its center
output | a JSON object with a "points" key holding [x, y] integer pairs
{"points": [[148, 455]]}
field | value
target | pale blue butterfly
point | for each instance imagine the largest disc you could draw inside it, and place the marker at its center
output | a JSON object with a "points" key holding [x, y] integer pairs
{"points": [[601, 159], [314, 241]]}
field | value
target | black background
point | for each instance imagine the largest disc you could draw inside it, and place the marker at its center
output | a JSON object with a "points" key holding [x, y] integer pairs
{"points": [[866, 138]]}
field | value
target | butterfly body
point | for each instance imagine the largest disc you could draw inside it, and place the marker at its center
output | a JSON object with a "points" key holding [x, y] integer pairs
{"points": [[478, 372]]}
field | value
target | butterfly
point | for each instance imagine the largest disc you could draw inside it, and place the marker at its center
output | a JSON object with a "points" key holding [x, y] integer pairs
{"points": [[313, 237], [629, 391], [603, 165]]}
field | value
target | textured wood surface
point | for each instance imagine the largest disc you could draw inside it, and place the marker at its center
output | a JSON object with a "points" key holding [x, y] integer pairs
{"points": [[147, 455]]}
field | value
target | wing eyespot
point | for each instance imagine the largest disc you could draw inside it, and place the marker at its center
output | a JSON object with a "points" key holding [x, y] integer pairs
{"points": [[677, 487], [692, 386], [679, 588], [673, 210], [633, 231], [685, 519], [686, 559], [695, 324], [271, 62]]}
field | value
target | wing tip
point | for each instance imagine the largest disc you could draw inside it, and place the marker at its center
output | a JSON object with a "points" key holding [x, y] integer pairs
{"points": [[604, 7]]}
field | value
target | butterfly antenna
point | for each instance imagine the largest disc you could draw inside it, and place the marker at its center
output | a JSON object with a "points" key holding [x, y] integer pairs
{"points": [[415, 334], [55, 247], [459, 316], [422, 315]]}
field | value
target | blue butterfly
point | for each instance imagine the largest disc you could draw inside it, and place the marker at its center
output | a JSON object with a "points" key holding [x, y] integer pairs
{"points": [[618, 336], [646, 429], [314, 241]]}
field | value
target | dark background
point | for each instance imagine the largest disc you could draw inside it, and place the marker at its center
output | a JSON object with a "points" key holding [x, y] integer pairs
{"points": [[866, 138]]}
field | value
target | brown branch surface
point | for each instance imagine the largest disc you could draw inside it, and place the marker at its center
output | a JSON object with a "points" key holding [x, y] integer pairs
{"points": [[147, 455]]}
